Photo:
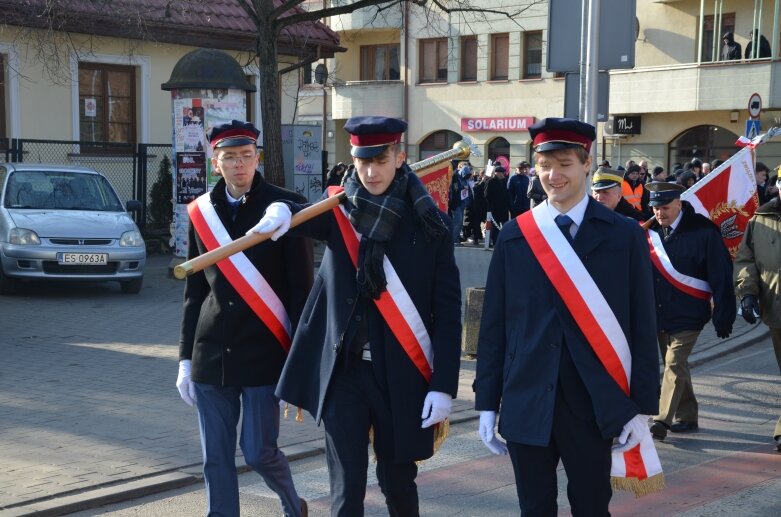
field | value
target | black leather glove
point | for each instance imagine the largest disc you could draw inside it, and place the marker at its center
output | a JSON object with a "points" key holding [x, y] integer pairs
{"points": [[749, 308], [724, 332]]}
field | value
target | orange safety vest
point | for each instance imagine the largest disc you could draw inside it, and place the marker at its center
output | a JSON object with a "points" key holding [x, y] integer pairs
{"points": [[632, 197]]}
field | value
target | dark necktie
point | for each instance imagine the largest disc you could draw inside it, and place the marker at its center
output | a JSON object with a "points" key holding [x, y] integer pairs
{"points": [[234, 208], [564, 223]]}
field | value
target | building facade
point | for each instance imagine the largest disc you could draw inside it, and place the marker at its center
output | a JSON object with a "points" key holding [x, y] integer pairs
{"points": [[484, 76]]}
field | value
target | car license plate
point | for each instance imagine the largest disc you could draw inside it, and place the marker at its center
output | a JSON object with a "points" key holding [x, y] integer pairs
{"points": [[80, 259]]}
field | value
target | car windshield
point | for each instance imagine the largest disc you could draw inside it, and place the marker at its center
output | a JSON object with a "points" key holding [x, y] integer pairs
{"points": [[62, 190]]}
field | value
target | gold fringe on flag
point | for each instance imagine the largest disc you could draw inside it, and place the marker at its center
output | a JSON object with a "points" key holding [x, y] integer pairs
{"points": [[441, 432], [640, 487]]}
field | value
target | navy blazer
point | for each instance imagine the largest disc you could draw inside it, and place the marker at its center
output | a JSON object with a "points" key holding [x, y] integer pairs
{"points": [[529, 345], [429, 273], [227, 342]]}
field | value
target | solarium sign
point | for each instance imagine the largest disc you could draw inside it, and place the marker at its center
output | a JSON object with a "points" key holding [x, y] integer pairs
{"points": [[497, 124]]}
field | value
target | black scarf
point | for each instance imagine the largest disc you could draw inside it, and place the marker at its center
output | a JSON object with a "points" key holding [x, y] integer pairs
{"points": [[377, 217]]}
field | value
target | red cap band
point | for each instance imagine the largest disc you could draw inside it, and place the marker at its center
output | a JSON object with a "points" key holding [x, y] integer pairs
{"points": [[233, 133], [375, 139], [561, 135]]}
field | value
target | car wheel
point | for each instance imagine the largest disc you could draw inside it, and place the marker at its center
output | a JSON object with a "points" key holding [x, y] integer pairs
{"points": [[132, 286], [7, 284]]}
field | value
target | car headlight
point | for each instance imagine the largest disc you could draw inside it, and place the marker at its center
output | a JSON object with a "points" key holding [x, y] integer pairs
{"points": [[131, 238], [24, 237]]}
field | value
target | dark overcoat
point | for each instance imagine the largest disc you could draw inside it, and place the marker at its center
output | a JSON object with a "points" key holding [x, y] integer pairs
{"points": [[227, 342], [695, 249], [530, 346], [428, 272]]}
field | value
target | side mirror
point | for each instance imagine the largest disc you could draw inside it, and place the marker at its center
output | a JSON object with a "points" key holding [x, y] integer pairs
{"points": [[133, 205]]}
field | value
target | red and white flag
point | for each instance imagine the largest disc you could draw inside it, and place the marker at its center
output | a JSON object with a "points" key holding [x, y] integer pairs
{"points": [[728, 196]]}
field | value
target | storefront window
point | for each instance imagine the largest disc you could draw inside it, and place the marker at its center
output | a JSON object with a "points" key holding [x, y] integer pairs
{"points": [[707, 143], [438, 142], [498, 147]]}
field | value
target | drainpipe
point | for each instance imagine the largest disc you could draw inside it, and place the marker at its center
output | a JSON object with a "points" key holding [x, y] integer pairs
{"points": [[405, 88]]}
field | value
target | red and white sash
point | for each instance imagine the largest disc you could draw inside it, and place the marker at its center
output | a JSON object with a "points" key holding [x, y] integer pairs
{"points": [[395, 304], [596, 321], [243, 276], [688, 284]]}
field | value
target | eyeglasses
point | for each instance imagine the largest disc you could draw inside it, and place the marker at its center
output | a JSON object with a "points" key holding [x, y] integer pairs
{"points": [[235, 160]]}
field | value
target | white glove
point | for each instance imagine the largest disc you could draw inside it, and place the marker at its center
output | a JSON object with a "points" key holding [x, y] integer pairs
{"points": [[277, 217], [184, 384], [486, 430], [436, 407], [633, 433]]}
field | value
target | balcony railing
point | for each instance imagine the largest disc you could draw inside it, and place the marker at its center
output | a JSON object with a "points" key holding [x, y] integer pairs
{"points": [[693, 87]]}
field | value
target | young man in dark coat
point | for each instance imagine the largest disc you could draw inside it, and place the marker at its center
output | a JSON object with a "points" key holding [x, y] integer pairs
{"points": [[497, 200], [517, 189], [378, 345], [237, 323], [699, 272], [536, 367]]}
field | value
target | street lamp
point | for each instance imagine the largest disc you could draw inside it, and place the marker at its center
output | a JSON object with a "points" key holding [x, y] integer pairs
{"points": [[321, 77]]}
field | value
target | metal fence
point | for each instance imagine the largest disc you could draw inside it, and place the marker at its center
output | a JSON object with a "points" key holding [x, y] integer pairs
{"points": [[131, 169]]}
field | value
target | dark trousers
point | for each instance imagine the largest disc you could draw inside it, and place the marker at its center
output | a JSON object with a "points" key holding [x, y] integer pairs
{"points": [[473, 231], [355, 402], [586, 458]]}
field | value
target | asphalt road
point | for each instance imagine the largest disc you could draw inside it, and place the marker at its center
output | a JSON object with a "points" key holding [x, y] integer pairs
{"points": [[729, 468]]}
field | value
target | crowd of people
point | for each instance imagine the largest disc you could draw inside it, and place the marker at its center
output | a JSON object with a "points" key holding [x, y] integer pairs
{"points": [[476, 195], [568, 359]]}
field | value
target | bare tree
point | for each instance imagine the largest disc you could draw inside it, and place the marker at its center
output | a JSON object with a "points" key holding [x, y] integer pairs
{"points": [[47, 25]]}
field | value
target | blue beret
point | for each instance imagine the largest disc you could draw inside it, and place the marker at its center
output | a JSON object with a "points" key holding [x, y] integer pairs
{"points": [[234, 134], [370, 136]]}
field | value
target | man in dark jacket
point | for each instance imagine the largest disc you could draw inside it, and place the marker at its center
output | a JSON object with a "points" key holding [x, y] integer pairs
{"points": [[496, 198], [764, 49], [378, 342], [517, 189], [699, 270], [537, 363], [606, 187], [237, 323], [731, 50]]}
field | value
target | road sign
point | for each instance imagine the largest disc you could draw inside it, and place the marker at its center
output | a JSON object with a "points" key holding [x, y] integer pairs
{"points": [[752, 128], [754, 105]]}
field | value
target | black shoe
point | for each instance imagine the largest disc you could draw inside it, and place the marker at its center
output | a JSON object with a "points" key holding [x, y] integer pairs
{"points": [[778, 443], [684, 427], [658, 430], [304, 509]]}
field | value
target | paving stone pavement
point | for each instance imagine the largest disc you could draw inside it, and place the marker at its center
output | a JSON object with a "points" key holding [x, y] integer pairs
{"points": [[88, 406]]}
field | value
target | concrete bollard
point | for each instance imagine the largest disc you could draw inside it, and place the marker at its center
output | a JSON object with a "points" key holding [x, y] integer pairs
{"points": [[472, 314]]}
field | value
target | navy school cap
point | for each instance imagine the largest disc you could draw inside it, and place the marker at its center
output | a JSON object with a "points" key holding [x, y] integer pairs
{"points": [[234, 134], [370, 136], [663, 192], [550, 134]]}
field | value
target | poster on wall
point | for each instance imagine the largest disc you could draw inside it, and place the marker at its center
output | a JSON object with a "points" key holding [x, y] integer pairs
{"points": [[190, 176], [304, 141], [195, 112]]}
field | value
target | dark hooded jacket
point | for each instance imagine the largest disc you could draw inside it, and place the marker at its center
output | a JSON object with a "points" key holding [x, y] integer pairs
{"points": [[731, 50], [764, 47]]}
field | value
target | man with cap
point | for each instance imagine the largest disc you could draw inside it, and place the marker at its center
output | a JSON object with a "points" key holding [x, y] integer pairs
{"points": [[496, 198], [378, 346], [237, 323], [540, 360], [632, 189], [758, 276], [692, 270], [517, 188], [606, 188]]}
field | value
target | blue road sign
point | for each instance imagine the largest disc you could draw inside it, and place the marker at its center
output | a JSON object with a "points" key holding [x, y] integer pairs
{"points": [[752, 128]]}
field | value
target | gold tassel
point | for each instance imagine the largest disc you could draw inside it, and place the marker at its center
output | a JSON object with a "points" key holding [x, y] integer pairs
{"points": [[640, 487], [299, 413], [440, 434]]}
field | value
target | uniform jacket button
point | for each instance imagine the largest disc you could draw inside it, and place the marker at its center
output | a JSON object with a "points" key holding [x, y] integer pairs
{"points": [[349, 301], [358, 318], [230, 303], [228, 350], [549, 388]]}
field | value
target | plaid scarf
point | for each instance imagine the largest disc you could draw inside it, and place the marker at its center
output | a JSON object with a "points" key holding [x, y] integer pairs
{"points": [[377, 217]]}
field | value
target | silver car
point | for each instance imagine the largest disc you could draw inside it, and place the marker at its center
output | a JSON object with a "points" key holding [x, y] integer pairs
{"points": [[66, 223]]}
